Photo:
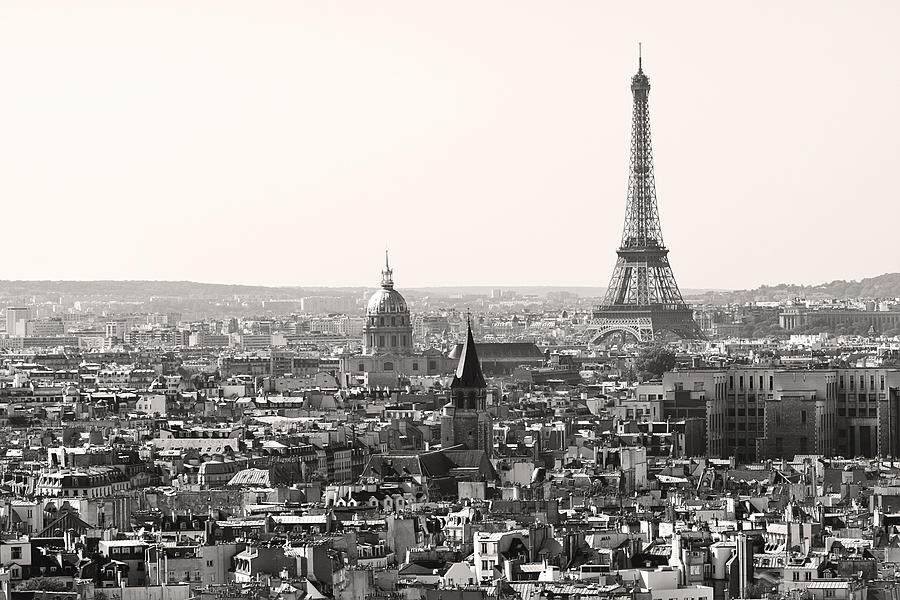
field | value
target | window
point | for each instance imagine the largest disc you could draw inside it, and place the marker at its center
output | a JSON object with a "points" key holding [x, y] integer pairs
{"points": [[803, 416], [842, 382], [362, 367], [731, 382], [16, 552], [484, 548], [209, 563], [415, 366], [432, 365], [741, 382], [388, 366], [484, 565], [394, 321], [394, 340], [381, 340], [381, 320]]}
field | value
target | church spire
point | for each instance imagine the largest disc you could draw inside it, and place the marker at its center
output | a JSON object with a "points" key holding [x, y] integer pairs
{"points": [[387, 276], [468, 372]]}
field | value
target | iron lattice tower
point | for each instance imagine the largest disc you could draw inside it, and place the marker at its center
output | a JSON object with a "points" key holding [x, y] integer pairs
{"points": [[643, 297]]}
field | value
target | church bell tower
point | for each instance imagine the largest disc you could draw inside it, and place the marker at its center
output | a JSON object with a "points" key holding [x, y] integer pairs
{"points": [[466, 421]]}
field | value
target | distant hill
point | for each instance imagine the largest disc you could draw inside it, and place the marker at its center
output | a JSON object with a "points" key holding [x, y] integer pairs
{"points": [[882, 286], [142, 289]]}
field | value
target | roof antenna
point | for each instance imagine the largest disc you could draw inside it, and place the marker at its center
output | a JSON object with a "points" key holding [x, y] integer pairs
{"points": [[387, 263], [639, 56]]}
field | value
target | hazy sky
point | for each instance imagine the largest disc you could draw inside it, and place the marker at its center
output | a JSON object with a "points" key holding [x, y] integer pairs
{"points": [[484, 142]]}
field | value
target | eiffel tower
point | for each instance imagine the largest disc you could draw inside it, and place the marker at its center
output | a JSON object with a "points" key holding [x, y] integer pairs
{"points": [[643, 299]]}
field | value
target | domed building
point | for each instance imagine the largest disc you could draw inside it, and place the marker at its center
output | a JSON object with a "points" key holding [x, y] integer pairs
{"points": [[389, 355], [388, 326]]}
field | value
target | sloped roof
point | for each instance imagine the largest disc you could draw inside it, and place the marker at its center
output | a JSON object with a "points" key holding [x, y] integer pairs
{"points": [[435, 464], [465, 458], [497, 350], [424, 567], [468, 372], [68, 520]]}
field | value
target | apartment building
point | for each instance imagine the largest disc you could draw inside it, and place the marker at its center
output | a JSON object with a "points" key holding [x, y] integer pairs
{"points": [[760, 413]]}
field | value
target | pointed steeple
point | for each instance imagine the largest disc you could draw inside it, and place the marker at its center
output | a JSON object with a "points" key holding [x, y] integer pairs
{"points": [[387, 276], [468, 372]]}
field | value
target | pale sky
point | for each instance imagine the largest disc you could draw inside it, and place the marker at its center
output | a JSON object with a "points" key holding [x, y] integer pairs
{"points": [[484, 142]]}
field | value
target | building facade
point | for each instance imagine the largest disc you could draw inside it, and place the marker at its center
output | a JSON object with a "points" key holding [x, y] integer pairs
{"points": [[763, 413]]}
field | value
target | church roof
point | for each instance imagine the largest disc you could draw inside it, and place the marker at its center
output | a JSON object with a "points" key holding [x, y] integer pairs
{"points": [[386, 300], [468, 372], [496, 350]]}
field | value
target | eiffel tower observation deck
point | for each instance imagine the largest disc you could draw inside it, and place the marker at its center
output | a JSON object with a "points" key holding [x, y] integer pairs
{"points": [[643, 300]]}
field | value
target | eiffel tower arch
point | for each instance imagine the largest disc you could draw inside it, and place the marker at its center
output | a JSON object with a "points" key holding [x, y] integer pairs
{"points": [[643, 299], [639, 329]]}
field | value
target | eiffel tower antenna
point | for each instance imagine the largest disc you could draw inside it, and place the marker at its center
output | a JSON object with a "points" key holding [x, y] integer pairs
{"points": [[642, 299]]}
